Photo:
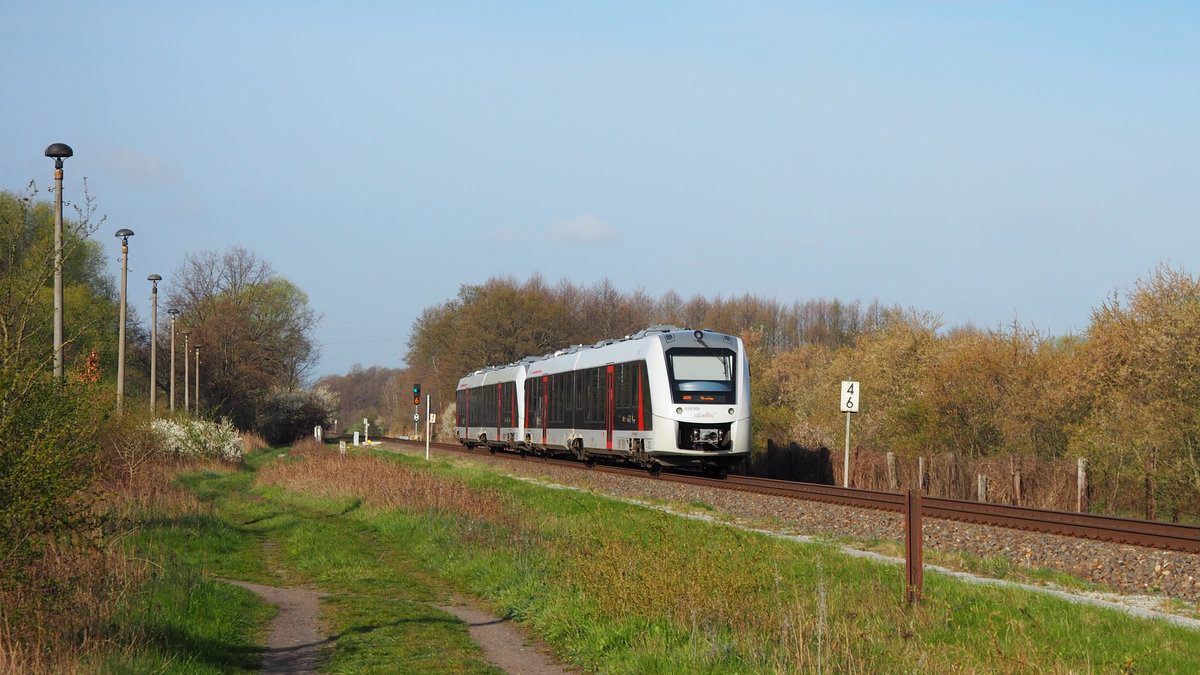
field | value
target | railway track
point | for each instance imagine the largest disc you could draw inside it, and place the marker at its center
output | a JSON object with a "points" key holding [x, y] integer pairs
{"points": [[1147, 533]]}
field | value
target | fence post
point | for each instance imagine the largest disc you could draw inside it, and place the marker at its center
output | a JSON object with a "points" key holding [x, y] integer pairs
{"points": [[913, 563], [891, 468], [1081, 486], [1016, 482], [953, 487], [921, 474], [981, 488]]}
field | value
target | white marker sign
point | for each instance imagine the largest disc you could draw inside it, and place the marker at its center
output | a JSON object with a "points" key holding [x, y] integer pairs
{"points": [[849, 397]]}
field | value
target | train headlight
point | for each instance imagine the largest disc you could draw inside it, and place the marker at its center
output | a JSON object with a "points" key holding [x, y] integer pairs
{"points": [[731, 411], [679, 411]]}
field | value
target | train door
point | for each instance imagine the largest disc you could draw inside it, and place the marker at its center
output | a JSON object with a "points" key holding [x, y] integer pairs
{"points": [[545, 406], [608, 408]]}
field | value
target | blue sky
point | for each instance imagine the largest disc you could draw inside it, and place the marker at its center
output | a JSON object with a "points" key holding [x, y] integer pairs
{"points": [[984, 161]]}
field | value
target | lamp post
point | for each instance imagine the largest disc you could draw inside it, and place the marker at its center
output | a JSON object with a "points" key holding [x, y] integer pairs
{"points": [[153, 279], [174, 313], [59, 151], [197, 379], [186, 334], [124, 234]]}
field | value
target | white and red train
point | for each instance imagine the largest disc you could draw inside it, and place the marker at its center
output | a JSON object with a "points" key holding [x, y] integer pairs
{"points": [[663, 397]]}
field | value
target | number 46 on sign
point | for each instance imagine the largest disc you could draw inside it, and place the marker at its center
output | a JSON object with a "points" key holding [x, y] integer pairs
{"points": [[849, 397]]}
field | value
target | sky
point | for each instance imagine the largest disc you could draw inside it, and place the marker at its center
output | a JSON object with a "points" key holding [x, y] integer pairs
{"points": [[984, 161]]}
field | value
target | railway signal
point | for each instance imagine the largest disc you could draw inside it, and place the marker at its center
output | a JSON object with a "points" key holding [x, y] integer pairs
{"points": [[416, 394]]}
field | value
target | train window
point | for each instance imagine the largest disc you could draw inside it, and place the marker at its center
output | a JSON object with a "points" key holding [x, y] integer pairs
{"points": [[561, 386], [702, 375], [533, 403], [593, 388], [506, 392]]}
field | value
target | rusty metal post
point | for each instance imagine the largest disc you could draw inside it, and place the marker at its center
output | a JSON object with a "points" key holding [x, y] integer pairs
{"points": [[913, 563]]}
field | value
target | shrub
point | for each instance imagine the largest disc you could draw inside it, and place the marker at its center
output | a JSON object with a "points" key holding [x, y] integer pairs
{"points": [[198, 439], [47, 464], [289, 414]]}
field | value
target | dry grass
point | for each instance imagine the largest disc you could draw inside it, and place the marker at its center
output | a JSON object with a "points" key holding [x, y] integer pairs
{"points": [[381, 484], [58, 617], [61, 618], [252, 442]]}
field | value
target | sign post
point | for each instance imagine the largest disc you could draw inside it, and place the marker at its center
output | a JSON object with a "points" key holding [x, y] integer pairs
{"points": [[849, 401], [428, 424]]}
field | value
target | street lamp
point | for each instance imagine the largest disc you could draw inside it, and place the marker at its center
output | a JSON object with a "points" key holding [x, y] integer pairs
{"points": [[197, 379], [153, 279], [186, 334], [174, 313], [59, 151], [124, 234]]}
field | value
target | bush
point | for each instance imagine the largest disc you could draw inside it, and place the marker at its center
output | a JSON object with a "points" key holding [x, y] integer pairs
{"points": [[47, 464], [198, 439], [289, 414]]}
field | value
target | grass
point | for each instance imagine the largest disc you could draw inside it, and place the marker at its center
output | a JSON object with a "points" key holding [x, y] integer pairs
{"points": [[612, 587], [618, 588]]}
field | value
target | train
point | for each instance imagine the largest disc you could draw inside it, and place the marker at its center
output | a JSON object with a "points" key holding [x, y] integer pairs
{"points": [[664, 397]]}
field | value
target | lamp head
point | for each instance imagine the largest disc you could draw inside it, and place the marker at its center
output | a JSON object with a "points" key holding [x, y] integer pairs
{"points": [[124, 234], [59, 151]]}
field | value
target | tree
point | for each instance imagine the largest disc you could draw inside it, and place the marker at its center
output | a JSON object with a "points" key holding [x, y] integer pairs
{"points": [[26, 285], [48, 427], [1143, 390], [255, 329], [492, 324]]}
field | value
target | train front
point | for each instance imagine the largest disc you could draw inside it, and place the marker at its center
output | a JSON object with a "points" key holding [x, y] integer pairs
{"points": [[702, 400]]}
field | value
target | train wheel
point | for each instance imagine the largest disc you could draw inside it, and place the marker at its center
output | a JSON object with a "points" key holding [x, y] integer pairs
{"points": [[655, 470], [716, 471]]}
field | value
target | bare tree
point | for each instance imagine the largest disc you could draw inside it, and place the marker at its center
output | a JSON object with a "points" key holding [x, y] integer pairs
{"points": [[256, 328]]}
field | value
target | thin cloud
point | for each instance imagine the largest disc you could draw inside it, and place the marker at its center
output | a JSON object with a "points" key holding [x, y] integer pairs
{"points": [[584, 229], [140, 169]]}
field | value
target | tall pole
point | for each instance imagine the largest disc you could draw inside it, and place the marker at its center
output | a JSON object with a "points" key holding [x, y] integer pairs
{"points": [[186, 335], [174, 313], [153, 279], [58, 151], [197, 379], [124, 235]]}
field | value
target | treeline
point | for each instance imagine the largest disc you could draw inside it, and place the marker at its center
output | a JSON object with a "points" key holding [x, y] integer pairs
{"points": [[504, 320], [381, 395], [1125, 395]]}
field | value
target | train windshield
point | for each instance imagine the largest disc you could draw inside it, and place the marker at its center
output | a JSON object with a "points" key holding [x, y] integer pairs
{"points": [[702, 375]]}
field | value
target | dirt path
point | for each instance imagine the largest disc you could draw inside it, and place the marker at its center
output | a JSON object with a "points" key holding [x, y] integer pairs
{"points": [[502, 644], [294, 637]]}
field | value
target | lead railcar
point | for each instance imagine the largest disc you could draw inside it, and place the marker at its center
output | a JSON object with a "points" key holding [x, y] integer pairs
{"points": [[663, 397]]}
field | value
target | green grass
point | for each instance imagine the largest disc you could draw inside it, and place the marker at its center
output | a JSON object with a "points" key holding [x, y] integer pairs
{"points": [[182, 621], [619, 588]]}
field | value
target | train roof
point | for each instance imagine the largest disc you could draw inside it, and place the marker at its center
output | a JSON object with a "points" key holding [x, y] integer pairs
{"points": [[650, 331]]}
